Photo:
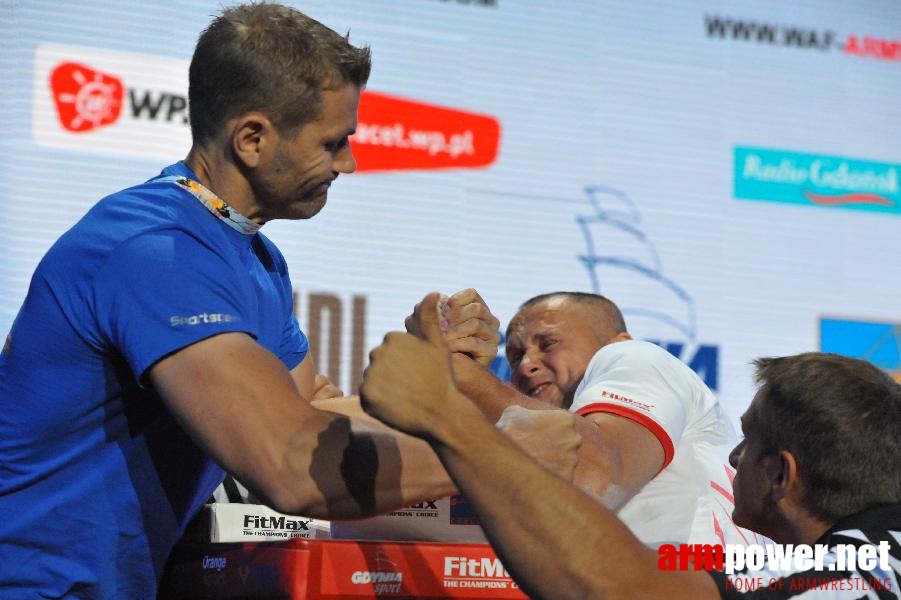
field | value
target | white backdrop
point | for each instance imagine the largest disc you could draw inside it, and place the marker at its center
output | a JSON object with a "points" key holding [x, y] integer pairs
{"points": [[725, 171]]}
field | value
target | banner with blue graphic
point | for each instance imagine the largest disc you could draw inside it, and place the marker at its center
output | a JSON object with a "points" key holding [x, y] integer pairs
{"points": [[727, 172]]}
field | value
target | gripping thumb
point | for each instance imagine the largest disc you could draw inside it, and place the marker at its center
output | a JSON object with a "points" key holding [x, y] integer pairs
{"points": [[430, 320]]}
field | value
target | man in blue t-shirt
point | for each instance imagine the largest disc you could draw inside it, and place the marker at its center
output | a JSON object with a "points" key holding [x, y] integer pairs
{"points": [[157, 344]]}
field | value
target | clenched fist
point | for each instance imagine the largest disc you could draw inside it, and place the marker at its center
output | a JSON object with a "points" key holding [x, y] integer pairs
{"points": [[408, 380], [548, 436], [467, 324]]}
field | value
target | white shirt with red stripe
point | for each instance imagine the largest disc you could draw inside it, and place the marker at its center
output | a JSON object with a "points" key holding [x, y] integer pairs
{"points": [[690, 500]]}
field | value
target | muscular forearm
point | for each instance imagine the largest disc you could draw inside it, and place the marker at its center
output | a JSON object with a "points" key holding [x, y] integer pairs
{"points": [[421, 474], [295, 458], [361, 467], [491, 394], [600, 471]]}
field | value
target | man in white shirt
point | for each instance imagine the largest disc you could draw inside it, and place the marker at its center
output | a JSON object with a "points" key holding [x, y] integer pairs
{"points": [[819, 465], [656, 442]]}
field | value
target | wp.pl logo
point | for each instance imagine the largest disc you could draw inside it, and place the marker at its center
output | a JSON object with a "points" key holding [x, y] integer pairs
{"points": [[124, 104], [85, 99]]}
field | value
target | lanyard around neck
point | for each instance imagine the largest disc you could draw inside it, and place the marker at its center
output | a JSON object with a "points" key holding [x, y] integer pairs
{"points": [[216, 205]]}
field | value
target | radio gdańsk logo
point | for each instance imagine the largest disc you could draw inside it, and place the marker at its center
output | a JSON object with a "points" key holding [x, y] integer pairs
{"points": [[85, 99], [108, 102], [772, 175]]}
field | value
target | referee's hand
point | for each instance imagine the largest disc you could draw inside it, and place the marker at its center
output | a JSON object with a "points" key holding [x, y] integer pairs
{"points": [[408, 383]]}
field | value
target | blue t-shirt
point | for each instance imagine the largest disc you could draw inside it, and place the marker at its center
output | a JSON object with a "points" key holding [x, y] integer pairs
{"points": [[97, 481]]}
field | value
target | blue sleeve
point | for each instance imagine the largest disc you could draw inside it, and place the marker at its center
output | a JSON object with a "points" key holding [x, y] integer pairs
{"points": [[295, 345], [166, 290]]}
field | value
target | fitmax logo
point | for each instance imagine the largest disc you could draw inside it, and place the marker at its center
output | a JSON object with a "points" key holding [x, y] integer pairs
{"points": [[258, 522], [461, 566]]}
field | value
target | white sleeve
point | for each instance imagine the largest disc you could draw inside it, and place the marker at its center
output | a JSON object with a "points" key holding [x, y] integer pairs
{"points": [[642, 382]]}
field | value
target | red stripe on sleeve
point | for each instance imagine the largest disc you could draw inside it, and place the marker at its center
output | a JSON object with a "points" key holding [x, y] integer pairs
{"points": [[642, 419]]}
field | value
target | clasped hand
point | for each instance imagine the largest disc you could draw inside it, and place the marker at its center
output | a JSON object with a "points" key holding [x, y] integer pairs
{"points": [[466, 323]]}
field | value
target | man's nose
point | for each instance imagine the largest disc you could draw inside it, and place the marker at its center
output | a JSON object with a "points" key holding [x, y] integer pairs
{"points": [[528, 364], [344, 161], [733, 456]]}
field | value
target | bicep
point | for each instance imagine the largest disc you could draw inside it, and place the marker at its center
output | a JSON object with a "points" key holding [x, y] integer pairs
{"points": [[618, 457], [239, 403]]}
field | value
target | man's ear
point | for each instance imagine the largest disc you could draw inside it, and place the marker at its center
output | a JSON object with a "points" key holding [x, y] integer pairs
{"points": [[252, 134], [782, 474], [620, 337]]}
